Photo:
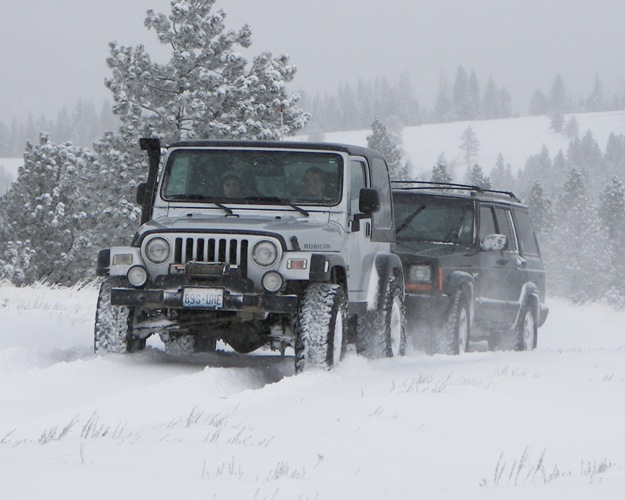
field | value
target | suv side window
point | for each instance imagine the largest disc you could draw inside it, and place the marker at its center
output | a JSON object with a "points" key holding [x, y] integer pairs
{"points": [[487, 222], [382, 219], [504, 220], [527, 237], [357, 182]]}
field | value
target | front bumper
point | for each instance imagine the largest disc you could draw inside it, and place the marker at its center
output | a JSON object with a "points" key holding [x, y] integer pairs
{"points": [[233, 301]]}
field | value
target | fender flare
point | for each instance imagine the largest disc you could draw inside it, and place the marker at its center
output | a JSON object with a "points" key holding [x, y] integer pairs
{"points": [[322, 266], [528, 292], [387, 266], [461, 280]]}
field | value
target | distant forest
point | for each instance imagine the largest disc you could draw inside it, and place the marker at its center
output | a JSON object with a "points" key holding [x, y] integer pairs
{"points": [[395, 103], [82, 126]]}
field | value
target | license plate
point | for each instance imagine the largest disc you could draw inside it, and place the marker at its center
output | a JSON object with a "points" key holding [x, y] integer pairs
{"points": [[203, 298]]}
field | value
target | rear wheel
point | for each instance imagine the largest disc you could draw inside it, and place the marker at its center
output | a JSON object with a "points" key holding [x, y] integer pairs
{"points": [[113, 324], [320, 327], [453, 337], [527, 331]]}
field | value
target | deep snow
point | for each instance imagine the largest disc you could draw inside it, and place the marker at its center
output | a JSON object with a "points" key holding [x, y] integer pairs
{"points": [[543, 424]]}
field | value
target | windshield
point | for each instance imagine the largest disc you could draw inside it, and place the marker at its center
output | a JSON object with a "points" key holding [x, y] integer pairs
{"points": [[243, 176], [433, 218]]}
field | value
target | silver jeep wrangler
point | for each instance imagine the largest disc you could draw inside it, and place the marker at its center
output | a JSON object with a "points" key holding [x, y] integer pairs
{"points": [[254, 243]]}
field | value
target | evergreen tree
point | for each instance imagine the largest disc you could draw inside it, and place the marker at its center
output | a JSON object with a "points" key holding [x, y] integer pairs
{"points": [[443, 110], [490, 101], [571, 129], [536, 167], [505, 103], [578, 257], [470, 145], [557, 104], [612, 214], [539, 104], [596, 100], [501, 175], [540, 210], [46, 216], [462, 100], [206, 89], [476, 177], [440, 173], [381, 141]]}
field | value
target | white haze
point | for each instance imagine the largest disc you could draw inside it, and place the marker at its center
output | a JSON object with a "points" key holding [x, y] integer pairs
{"points": [[53, 53]]}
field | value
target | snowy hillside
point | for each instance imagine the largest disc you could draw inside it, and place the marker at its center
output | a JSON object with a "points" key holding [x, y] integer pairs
{"points": [[545, 424], [515, 138]]}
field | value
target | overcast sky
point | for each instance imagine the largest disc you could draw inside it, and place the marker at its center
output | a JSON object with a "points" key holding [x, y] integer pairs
{"points": [[52, 53]]}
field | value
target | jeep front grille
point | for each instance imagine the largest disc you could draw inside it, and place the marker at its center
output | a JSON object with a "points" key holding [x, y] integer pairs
{"points": [[205, 249]]}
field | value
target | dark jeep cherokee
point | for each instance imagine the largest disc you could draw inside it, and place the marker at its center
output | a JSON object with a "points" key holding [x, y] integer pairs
{"points": [[472, 267]]}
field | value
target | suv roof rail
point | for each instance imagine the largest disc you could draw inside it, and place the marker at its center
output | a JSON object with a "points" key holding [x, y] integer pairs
{"points": [[409, 185]]}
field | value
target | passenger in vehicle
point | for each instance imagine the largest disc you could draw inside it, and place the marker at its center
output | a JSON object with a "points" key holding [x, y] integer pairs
{"points": [[232, 186], [313, 184]]}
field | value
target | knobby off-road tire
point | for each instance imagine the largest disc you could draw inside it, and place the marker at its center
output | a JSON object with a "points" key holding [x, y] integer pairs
{"points": [[453, 336], [113, 324], [382, 333], [320, 327]]}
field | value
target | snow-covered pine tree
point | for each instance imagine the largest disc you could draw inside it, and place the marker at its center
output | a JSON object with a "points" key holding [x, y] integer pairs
{"points": [[381, 141], [540, 210], [46, 215], [577, 256], [440, 173], [476, 177], [207, 89], [501, 175], [612, 215]]}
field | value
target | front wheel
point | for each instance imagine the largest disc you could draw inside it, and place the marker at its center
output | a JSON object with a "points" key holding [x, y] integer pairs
{"points": [[382, 332], [320, 327], [113, 324]]}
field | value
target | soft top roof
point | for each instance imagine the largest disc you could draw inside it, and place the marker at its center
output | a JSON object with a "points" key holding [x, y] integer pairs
{"points": [[319, 146]]}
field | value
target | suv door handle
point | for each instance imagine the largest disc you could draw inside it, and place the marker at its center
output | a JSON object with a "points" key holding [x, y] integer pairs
{"points": [[521, 263]]}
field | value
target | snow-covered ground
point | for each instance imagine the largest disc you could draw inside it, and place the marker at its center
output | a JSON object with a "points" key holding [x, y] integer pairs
{"points": [[545, 424]]}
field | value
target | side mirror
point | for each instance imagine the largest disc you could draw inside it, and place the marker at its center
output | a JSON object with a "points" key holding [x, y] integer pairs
{"points": [[141, 190], [368, 201], [494, 242]]}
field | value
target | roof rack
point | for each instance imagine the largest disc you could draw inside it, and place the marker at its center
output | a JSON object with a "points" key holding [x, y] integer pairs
{"points": [[408, 185]]}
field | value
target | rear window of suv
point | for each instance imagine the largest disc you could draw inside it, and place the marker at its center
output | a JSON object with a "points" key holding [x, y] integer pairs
{"points": [[527, 237]]}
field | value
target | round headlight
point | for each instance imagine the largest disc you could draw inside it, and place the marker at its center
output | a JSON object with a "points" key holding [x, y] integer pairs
{"points": [[157, 250], [272, 281], [420, 274], [137, 275], [265, 253]]}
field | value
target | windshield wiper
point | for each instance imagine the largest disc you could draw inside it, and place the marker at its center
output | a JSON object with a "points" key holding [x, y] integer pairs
{"points": [[201, 197], [404, 224], [275, 199]]}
